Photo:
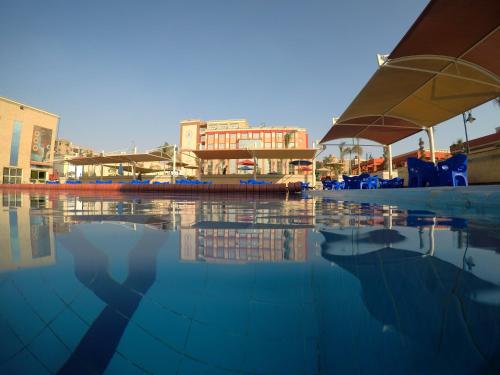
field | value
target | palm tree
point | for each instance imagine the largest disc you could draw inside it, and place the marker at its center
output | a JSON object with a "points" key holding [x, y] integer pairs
{"points": [[358, 150], [343, 151]]}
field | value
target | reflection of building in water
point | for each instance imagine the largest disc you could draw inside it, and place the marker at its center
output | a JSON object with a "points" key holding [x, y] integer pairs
{"points": [[241, 245], [26, 239], [259, 231]]}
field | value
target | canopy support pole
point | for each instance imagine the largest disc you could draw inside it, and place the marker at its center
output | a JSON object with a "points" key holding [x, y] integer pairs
{"points": [[389, 156], [174, 166], [430, 134]]}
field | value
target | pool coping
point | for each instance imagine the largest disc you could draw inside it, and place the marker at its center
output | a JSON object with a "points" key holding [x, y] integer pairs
{"points": [[476, 200]]}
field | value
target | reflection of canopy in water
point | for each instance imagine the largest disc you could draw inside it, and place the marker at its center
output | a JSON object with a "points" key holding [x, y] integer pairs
{"points": [[151, 220], [245, 225], [378, 236], [431, 302]]}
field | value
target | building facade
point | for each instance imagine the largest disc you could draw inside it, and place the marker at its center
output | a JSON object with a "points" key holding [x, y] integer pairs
{"points": [[401, 161], [237, 134], [27, 139]]}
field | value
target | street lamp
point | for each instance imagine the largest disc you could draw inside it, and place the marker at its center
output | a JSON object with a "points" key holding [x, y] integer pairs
{"points": [[467, 117]]}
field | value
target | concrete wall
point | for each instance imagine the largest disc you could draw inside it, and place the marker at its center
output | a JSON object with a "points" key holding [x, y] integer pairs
{"points": [[484, 167], [276, 179]]}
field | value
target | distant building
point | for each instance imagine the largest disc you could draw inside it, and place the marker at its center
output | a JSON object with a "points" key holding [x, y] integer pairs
{"points": [[486, 143], [369, 166], [400, 161], [66, 148], [236, 134], [27, 138]]}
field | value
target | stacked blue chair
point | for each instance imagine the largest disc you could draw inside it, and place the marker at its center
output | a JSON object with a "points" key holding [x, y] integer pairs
{"points": [[103, 181], [73, 182], [453, 171], [192, 182], [160, 183], [356, 182], [257, 182], [140, 182], [422, 173], [327, 184], [52, 182], [304, 185], [347, 181], [370, 183], [391, 183], [339, 185]]}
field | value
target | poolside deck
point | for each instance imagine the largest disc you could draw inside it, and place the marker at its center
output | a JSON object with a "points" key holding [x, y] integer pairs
{"points": [[470, 199]]}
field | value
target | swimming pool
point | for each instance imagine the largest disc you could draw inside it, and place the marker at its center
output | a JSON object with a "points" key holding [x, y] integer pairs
{"points": [[150, 284]]}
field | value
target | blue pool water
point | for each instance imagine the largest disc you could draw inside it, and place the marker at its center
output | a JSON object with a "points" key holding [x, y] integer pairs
{"points": [[181, 285]]}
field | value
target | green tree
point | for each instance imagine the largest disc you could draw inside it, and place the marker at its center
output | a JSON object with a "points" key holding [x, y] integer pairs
{"points": [[358, 150], [385, 155]]}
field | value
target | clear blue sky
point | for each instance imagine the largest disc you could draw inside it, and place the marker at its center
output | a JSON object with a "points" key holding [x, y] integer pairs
{"points": [[123, 71]]}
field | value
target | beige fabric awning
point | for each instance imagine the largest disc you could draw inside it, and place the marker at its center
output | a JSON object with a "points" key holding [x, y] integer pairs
{"points": [[117, 159], [447, 63], [280, 153]]}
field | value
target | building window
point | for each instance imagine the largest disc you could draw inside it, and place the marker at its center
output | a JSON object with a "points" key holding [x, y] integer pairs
{"points": [[11, 199], [243, 135], [279, 145], [268, 145], [255, 135], [232, 138], [222, 145], [38, 176], [12, 175]]}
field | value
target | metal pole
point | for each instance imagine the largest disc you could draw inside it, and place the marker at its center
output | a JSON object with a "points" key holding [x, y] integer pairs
{"points": [[430, 134], [466, 135], [389, 156]]}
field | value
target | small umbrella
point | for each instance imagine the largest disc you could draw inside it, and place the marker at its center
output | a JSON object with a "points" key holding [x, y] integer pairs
{"points": [[323, 170], [246, 162], [245, 168], [301, 162]]}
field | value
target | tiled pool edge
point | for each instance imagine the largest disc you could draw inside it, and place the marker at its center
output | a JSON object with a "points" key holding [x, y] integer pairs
{"points": [[471, 199], [160, 188]]}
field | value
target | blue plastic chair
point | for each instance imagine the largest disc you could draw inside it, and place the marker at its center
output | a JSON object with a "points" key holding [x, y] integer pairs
{"points": [[304, 185], [370, 183], [453, 171], [71, 182], [422, 173], [347, 181], [51, 182], [327, 184]]}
